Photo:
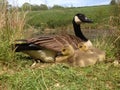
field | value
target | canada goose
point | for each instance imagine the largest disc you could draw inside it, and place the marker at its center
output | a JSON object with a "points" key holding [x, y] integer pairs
{"points": [[53, 44], [99, 53], [79, 57]]}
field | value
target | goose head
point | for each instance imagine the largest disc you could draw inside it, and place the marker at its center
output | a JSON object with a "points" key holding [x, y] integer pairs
{"points": [[81, 18], [77, 20]]}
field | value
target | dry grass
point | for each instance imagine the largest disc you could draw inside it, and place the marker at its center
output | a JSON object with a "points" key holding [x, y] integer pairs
{"points": [[12, 23]]}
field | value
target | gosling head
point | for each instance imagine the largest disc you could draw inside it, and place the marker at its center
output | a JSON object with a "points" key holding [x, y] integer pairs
{"points": [[82, 46], [67, 50], [79, 18]]}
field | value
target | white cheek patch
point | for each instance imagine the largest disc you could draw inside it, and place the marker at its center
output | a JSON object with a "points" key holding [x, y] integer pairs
{"points": [[77, 20], [88, 43]]}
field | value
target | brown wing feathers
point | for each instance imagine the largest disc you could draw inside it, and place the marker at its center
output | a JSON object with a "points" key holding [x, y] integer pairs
{"points": [[55, 42]]}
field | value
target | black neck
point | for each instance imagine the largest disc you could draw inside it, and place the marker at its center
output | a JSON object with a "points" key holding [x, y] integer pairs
{"points": [[78, 31]]}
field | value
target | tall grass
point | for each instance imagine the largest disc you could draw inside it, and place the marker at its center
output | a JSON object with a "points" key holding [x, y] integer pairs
{"points": [[11, 27], [111, 43], [115, 22], [106, 43]]}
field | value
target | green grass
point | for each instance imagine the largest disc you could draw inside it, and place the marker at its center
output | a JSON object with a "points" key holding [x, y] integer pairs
{"points": [[56, 18], [61, 77]]}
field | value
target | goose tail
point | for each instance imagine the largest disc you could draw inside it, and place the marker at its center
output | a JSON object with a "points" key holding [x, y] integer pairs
{"points": [[23, 45]]}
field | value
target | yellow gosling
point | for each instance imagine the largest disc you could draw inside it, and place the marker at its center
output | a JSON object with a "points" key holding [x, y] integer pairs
{"points": [[77, 57]]}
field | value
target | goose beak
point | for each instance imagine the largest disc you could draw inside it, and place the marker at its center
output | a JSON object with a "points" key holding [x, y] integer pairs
{"points": [[86, 20]]}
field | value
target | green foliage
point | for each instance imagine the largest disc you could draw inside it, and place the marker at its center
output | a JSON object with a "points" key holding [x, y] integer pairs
{"points": [[6, 53], [106, 43], [53, 17], [11, 27], [114, 19], [50, 18], [28, 6], [57, 7], [43, 7]]}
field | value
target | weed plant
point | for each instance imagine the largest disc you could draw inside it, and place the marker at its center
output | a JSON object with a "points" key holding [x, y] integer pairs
{"points": [[11, 28]]}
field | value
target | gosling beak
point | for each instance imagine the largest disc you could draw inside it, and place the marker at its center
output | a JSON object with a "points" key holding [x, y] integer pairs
{"points": [[59, 54]]}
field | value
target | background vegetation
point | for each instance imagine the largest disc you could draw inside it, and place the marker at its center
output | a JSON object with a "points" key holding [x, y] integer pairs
{"points": [[15, 70]]}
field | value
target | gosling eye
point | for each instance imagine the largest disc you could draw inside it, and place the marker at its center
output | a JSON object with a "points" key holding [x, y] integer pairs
{"points": [[80, 46], [64, 50]]}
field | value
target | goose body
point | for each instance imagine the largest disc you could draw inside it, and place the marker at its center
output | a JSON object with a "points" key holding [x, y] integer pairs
{"points": [[46, 48], [45, 55], [36, 47]]}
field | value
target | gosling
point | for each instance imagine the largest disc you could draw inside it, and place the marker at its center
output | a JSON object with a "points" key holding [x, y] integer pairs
{"points": [[80, 57], [96, 51]]}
